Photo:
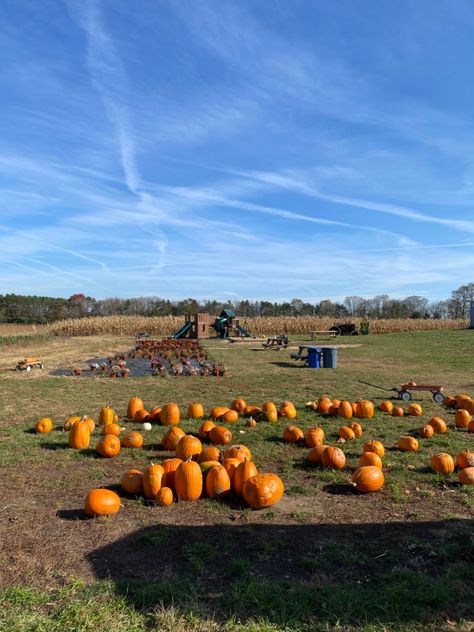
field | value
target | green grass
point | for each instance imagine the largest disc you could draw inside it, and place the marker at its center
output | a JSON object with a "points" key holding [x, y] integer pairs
{"points": [[228, 568]]}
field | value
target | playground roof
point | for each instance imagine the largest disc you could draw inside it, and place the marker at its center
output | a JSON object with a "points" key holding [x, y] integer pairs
{"points": [[229, 313]]}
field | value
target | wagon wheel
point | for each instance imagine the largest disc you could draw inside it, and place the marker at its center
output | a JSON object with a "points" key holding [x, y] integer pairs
{"points": [[28, 368], [354, 333], [438, 397], [18, 367], [405, 395]]}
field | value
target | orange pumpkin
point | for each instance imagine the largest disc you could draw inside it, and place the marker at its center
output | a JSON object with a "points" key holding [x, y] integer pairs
{"points": [[271, 416], [242, 473], [172, 437], [132, 440], [324, 404], [426, 431], [169, 467], [230, 465], [170, 414], [364, 409], [141, 415], [238, 405], [368, 478], [397, 411], [314, 436], [462, 418], [154, 414], [217, 482], [203, 431], [449, 401], [407, 444], [101, 502], [314, 455], [230, 417], [470, 428], [252, 411], [386, 406], [269, 407], [113, 429], [466, 476], [293, 434], [333, 411], [238, 451], [442, 463], [333, 458], [210, 454], [262, 490], [106, 415], [164, 497], [70, 421], [134, 405], [374, 446], [356, 429], [345, 409], [288, 411], [108, 446], [415, 410], [438, 424], [195, 410], [465, 459], [251, 422], [153, 480], [79, 435], [188, 480], [132, 482], [370, 458], [220, 435], [346, 433], [218, 411], [44, 425], [188, 447]]}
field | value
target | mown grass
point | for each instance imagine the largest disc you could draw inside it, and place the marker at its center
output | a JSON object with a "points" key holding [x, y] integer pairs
{"points": [[226, 580]]}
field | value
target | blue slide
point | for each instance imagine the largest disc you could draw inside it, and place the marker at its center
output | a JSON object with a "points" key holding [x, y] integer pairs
{"points": [[181, 333]]}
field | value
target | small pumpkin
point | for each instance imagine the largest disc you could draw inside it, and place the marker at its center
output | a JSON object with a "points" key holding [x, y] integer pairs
{"points": [[288, 411], [270, 415], [449, 401], [195, 410], [172, 437], [314, 436], [252, 411], [134, 404], [229, 417], [153, 480], [80, 435], [356, 429], [101, 502], [188, 480], [106, 415], [210, 453], [251, 422], [269, 407], [333, 458], [370, 458], [438, 424], [132, 482], [465, 459], [164, 497], [238, 451], [141, 416], [293, 434], [218, 411], [220, 435], [368, 479], [470, 428], [108, 446], [346, 433], [324, 404], [169, 467], [263, 490], [170, 414], [415, 410], [154, 414], [314, 455], [230, 465], [386, 406], [132, 440], [203, 431], [462, 418], [217, 482], [242, 473], [374, 446], [442, 463], [407, 444], [345, 409], [238, 405], [397, 411], [44, 425], [188, 447], [364, 409], [426, 431], [70, 421], [466, 476]]}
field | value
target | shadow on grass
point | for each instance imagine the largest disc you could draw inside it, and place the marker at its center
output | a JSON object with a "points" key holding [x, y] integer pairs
{"points": [[72, 514], [391, 575], [340, 489], [291, 365]]}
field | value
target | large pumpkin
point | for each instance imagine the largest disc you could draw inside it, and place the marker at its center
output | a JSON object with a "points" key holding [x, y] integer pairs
{"points": [[172, 437], [345, 409], [108, 445], [170, 466], [263, 490], [188, 447], [415, 410], [374, 446], [133, 405], [288, 410], [113, 429], [442, 463], [230, 465], [80, 435], [106, 415], [293, 434], [466, 476], [324, 404], [132, 440], [170, 415], [238, 405], [203, 431], [407, 444], [211, 453], [356, 429], [101, 502], [141, 416], [397, 411], [164, 497], [426, 431], [217, 482], [243, 472], [195, 410], [368, 478], [44, 425], [439, 425], [314, 455], [229, 417], [370, 458], [386, 406], [364, 409], [188, 481], [218, 411], [465, 459], [462, 418], [152, 480], [220, 435], [238, 451], [132, 482], [314, 436], [346, 433], [333, 458]]}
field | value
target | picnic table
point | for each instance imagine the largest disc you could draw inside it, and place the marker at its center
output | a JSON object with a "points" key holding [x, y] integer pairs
{"points": [[326, 333], [276, 341], [303, 356]]}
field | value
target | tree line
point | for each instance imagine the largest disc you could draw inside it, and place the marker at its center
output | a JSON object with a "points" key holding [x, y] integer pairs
{"points": [[16, 308]]}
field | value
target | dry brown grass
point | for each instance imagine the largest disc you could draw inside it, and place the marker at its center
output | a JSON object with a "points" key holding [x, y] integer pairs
{"points": [[13, 329], [167, 325]]}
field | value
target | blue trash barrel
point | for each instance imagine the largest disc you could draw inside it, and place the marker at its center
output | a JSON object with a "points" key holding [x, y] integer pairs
{"points": [[314, 357], [329, 358]]}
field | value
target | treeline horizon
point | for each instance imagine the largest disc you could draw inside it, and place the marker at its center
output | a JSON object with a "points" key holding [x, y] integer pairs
{"points": [[23, 309]]}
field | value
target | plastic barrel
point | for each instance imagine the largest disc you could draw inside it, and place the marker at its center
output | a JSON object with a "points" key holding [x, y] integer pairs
{"points": [[314, 358], [329, 358]]}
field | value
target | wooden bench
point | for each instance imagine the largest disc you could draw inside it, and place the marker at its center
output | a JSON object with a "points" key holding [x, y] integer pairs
{"points": [[327, 333], [299, 356], [275, 341]]}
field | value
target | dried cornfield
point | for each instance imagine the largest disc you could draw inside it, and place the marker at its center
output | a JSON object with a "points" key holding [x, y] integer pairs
{"points": [[263, 326]]}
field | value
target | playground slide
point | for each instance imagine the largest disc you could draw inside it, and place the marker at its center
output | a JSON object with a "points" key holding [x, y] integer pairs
{"points": [[244, 332], [182, 331]]}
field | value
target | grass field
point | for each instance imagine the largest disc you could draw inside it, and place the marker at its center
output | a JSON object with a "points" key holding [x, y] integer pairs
{"points": [[324, 558]]}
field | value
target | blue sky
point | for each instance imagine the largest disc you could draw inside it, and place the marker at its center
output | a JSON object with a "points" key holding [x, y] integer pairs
{"points": [[236, 149]]}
